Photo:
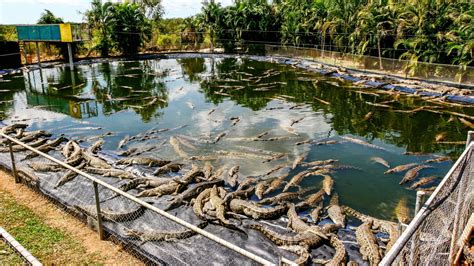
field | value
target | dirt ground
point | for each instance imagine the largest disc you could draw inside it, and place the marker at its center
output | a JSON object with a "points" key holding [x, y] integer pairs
{"points": [[103, 252]]}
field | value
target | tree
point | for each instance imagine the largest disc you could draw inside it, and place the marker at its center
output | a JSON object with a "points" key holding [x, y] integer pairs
{"points": [[129, 27], [99, 18]]}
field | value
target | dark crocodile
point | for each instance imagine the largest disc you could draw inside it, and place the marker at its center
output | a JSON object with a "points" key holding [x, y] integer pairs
{"points": [[368, 244], [110, 173], [107, 214], [160, 235], [143, 161], [256, 212], [192, 192]]}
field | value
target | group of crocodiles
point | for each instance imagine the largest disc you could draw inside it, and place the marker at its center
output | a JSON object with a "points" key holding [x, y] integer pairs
{"points": [[220, 197]]}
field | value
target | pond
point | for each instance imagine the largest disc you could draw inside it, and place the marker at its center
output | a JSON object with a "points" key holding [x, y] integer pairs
{"points": [[263, 108]]}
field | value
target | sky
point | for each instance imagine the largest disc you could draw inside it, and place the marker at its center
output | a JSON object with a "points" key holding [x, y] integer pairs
{"points": [[29, 11]]}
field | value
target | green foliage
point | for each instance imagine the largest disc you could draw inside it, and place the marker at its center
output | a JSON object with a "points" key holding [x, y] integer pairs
{"points": [[440, 31], [99, 18], [129, 27], [8, 33]]}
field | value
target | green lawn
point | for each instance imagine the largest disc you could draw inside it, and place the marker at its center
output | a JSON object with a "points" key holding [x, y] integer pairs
{"points": [[49, 245]]}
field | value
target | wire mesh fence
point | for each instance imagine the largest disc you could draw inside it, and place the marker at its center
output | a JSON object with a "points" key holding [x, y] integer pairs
{"points": [[432, 238], [144, 230], [402, 68]]}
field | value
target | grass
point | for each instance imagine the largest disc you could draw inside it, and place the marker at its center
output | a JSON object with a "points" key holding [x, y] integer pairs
{"points": [[49, 245]]}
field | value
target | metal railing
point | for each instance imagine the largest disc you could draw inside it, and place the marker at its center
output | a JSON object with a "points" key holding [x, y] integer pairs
{"points": [[432, 236], [99, 217], [18, 248]]}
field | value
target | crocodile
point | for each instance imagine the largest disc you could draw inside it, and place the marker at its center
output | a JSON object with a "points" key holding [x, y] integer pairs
{"points": [[218, 204], [260, 188], [248, 181], [328, 182], [110, 215], [45, 148], [94, 148], [380, 160], [274, 170], [75, 157], [386, 226], [317, 163], [198, 204], [207, 170], [143, 161], [314, 214], [275, 184], [12, 128], [175, 144], [67, 149], [296, 179], [298, 161], [27, 175], [233, 175], [45, 167], [239, 194], [413, 173], [335, 211], [255, 211], [68, 176], [110, 173], [128, 152], [95, 161], [368, 244], [17, 148], [307, 239], [190, 193], [400, 168], [171, 167], [190, 176], [423, 181], [160, 235], [283, 197], [311, 200], [219, 137], [165, 189], [299, 226], [438, 160], [145, 182], [303, 253], [339, 257]]}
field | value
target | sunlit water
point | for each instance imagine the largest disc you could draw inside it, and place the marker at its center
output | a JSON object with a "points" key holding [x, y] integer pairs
{"points": [[130, 97]]}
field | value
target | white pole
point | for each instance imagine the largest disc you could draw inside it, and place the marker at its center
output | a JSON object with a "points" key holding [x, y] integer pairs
{"points": [[69, 51]]}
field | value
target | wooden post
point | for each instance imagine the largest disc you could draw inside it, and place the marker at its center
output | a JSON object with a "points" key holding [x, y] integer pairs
{"points": [[38, 54], [15, 174], [99, 215], [69, 52]]}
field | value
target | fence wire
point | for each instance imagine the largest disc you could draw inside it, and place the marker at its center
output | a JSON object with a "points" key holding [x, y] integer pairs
{"points": [[432, 238], [145, 231]]}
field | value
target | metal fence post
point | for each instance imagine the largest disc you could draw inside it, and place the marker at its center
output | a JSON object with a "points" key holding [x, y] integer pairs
{"points": [[99, 215], [15, 174], [470, 137]]}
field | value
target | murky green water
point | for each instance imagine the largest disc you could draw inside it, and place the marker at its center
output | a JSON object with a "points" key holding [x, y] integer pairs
{"points": [[129, 98]]}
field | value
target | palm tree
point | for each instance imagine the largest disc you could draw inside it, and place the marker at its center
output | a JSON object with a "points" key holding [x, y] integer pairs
{"points": [[99, 18]]}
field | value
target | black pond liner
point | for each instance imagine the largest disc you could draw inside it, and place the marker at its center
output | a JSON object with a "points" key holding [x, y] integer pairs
{"points": [[196, 250]]}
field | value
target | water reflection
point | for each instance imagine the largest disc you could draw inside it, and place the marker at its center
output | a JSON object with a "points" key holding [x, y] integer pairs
{"points": [[130, 97]]}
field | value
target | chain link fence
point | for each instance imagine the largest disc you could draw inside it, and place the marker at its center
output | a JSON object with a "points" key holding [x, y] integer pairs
{"points": [[433, 237], [144, 230], [402, 68]]}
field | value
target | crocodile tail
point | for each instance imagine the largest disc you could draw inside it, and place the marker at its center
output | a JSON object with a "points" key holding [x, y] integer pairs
{"points": [[274, 236]]}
